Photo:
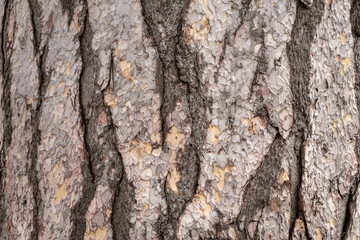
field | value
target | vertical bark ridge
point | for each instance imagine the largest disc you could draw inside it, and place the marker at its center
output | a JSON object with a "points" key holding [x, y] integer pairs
{"points": [[99, 137], [36, 138], [124, 191], [298, 51], [351, 203], [5, 104], [179, 83], [41, 54]]}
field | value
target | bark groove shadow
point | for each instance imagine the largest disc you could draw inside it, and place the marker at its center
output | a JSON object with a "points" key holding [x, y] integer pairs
{"points": [[298, 50]]}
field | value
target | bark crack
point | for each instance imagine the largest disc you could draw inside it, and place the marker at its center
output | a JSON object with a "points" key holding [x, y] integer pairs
{"points": [[88, 191], [6, 106], [298, 50], [259, 187], [41, 54], [99, 135], [179, 80]]}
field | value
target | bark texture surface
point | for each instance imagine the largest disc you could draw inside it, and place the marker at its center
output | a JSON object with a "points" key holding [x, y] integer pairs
{"points": [[179, 119]]}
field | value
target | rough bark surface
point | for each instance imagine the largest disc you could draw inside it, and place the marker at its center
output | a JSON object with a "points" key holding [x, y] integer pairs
{"points": [[179, 119]]}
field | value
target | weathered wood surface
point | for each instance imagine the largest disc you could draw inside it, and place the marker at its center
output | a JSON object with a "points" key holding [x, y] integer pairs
{"points": [[179, 119]]}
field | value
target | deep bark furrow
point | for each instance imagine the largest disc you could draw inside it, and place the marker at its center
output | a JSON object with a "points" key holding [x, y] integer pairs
{"points": [[177, 68], [35, 115], [97, 124], [164, 24], [122, 208], [35, 15], [89, 182], [349, 209], [68, 6], [35, 142], [5, 104], [189, 164], [258, 190], [298, 51]]}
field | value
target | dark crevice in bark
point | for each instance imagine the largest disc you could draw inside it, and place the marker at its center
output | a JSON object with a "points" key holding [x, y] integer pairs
{"points": [[298, 51], [99, 136], [5, 104], [307, 234], [36, 11], [257, 191], [68, 6], [164, 21], [349, 209], [35, 114], [122, 208], [88, 191], [350, 206], [44, 80]]}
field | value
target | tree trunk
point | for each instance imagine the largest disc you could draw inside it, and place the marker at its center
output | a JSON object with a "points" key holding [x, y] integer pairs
{"points": [[179, 119]]}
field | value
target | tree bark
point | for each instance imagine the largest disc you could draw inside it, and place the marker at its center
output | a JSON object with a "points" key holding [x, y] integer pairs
{"points": [[179, 119]]}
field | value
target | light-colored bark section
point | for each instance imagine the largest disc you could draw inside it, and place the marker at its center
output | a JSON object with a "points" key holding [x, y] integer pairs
{"points": [[234, 149], [18, 191], [329, 158], [135, 102], [61, 151]]}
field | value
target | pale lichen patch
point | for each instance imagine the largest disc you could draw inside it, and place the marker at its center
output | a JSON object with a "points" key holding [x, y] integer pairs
{"points": [[126, 68], [51, 90], [109, 101], [217, 196]]}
